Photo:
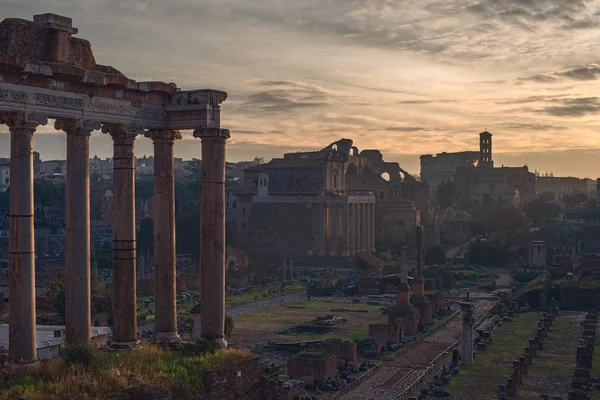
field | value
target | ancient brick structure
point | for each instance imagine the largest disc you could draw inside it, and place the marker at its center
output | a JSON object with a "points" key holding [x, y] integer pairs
{"points": [[344, 350], [390, 333], [321, 366], [46, 72]]}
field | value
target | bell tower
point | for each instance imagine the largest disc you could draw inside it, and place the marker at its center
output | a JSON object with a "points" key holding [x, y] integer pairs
{"points": [[485, 150]]}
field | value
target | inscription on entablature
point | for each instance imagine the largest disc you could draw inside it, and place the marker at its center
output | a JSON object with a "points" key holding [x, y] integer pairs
{"points": [[109, 107], [14, 95], [57, 101], [183, 115], [148, 112]]}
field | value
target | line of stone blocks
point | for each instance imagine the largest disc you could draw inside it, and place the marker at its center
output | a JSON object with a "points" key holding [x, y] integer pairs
{"points": [[585, 355]]}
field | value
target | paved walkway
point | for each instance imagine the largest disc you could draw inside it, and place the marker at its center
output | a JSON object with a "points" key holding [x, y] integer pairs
{"points": [[398, 374]]}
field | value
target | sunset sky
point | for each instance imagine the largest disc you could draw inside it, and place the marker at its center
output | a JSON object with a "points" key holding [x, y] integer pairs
{"points": [[408, 77]]}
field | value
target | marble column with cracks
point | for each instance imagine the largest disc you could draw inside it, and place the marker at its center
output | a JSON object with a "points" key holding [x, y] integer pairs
{"points": [[124, 250], [77, 259], [21, 331], [212, 242], [165, 266]]}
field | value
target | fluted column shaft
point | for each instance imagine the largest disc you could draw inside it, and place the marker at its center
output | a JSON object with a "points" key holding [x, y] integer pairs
{"points": [[124, 251], [346, 251], [367, 227], [321, 229], [361, 227], [77, 260], [334, 222], [165, 272], [21, 332], [212, 242], [373, 231]]}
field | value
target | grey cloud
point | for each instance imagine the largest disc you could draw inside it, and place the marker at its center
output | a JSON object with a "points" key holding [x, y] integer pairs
{"points": [[531, 126], [572, 107], [406, 129], [530, 99], [587, 72], [286, 96]]}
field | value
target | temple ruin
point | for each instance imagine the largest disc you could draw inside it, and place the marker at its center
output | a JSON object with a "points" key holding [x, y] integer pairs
{"points": [[47, 73]]}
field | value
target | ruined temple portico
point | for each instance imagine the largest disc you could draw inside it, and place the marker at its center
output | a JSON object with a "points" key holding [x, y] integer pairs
{"points": [[47, 73]]}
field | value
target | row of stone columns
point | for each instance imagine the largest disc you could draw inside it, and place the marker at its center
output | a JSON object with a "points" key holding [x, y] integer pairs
{"points": [[22, 337], [357, 221]]}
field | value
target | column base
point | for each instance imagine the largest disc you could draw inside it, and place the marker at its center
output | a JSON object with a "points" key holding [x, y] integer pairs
{"points": [[333, 253], [12, 368], [222, 343], [120, 346], [321, 253], [373, 250], [169, 339], [345, 254]]}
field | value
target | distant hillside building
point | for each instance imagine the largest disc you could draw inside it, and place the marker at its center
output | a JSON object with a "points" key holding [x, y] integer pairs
{"points": [[515, 185], [322, 208], [442, 167], [562, 186]]}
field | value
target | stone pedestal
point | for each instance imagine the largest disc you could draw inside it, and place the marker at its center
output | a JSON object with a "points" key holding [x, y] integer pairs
{"points": [[212, 246], [165, 274], [21, 335], [124, 254], [77, 259]]}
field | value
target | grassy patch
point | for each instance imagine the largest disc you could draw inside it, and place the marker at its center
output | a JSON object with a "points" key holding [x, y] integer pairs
{"points": [[90, 373], [264, 325], [261, 294]]}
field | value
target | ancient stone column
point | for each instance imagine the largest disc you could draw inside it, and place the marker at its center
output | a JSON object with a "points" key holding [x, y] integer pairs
{"points": [[77, 259], [334, 222], [358, 228], [165, 272], [467, 333], [346, 210], [321, 229], [368, 227], [212, 245], [373, 231], [352, 228], [124, 254], [363, 227], [21, 332]]}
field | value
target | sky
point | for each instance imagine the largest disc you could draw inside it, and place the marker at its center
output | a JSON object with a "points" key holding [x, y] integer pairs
{"points": [[408, 77]]}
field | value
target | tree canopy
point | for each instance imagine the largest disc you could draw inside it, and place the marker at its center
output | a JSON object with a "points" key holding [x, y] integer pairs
{"points": [[575, 199], [435, 255], [446, 195], [540, 210]]}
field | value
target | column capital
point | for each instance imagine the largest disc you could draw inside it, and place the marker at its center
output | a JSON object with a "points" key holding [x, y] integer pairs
{"points": [[121, 131], [163, 134], [217, 134], [77, 126], [22, 119]]}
